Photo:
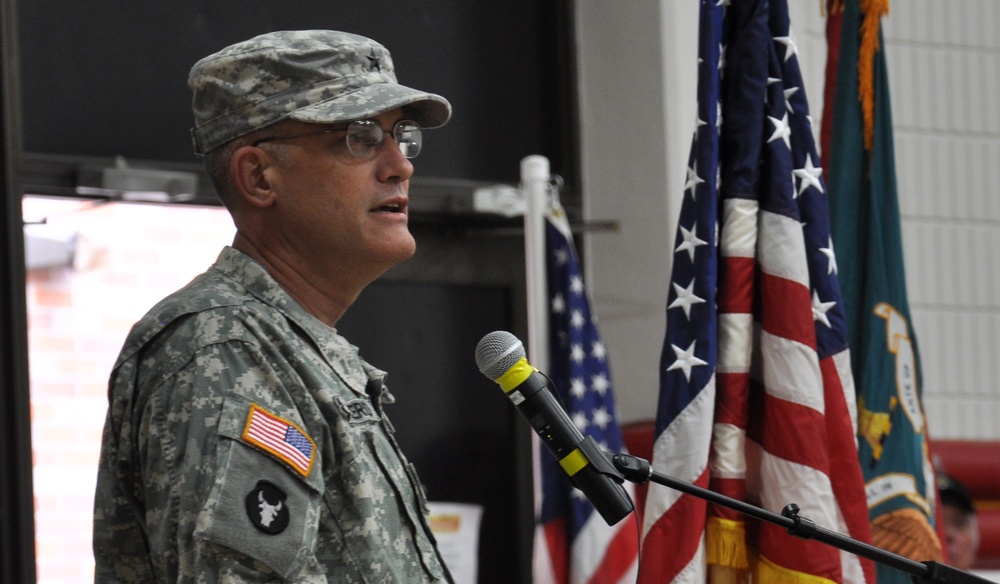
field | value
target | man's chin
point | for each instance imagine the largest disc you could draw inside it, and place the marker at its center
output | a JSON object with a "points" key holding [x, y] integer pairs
{"points": [[402, 251]]}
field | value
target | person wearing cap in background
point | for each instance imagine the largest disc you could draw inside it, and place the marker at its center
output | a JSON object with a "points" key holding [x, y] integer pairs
{"points": [[961, 529], [246, 441]]}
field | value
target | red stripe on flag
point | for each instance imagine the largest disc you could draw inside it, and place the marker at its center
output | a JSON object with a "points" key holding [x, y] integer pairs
{"points": [[665, 550], [733, 488], [785, 302], [620, 555], [736, 285], [731, 398], [269, 432], [272, 433], [834, 24], [275, 441], [788, 430], [558, 548], [845, 472], [809, 556]]}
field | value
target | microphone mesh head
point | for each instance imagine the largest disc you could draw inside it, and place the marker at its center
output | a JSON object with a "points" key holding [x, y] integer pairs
{"points": [[497, 352]]}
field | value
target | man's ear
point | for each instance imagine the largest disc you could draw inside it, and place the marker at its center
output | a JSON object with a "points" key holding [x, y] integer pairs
{"points": [[252, 169]]}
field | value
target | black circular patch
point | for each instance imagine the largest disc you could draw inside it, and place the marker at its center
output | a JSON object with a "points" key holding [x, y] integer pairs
{"points": [[267, 508]]}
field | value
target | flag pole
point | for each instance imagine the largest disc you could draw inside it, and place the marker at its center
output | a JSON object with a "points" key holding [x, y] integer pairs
{"points": [[571, 543], [534, 189], [535, 185]]}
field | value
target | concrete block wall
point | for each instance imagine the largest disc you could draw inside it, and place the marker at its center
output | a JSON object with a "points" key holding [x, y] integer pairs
{"points": [[943, 59]]}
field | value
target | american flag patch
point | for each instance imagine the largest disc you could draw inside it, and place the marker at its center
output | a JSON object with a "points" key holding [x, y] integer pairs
{"points": [[281, 438]]}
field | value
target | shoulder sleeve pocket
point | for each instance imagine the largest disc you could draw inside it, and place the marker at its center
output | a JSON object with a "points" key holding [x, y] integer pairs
{"points": [[260, 506]]}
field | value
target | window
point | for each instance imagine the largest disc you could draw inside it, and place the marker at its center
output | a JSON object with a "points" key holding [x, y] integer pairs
{"points": [[94, 268]]}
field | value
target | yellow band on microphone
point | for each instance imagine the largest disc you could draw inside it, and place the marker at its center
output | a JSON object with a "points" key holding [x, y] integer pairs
{"points": [[514, 376], [573, 462]]}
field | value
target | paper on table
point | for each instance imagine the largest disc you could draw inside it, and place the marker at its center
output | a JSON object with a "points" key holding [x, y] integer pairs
{"points": [[456, 527]]}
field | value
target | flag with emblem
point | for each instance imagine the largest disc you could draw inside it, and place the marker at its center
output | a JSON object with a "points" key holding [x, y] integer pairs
{"points": [[892, 438], [281, 438], [576, 545], [756, 396]]}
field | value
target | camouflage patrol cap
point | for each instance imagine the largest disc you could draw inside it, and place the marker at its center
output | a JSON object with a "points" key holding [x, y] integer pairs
{"points": [[316, 76]]}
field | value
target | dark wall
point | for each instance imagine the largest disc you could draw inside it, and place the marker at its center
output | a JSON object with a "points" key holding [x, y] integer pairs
{"points": [[108, 77], [454, 425]]}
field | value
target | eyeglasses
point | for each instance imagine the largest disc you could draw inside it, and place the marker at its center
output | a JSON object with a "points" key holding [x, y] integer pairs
{"points": [[365, 137]]}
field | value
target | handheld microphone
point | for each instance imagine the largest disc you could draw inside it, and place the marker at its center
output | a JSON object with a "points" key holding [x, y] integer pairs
{"points": [[500, 356]]}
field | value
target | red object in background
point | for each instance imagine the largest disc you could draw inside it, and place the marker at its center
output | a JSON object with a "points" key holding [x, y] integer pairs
{"points": [[977, 466]]}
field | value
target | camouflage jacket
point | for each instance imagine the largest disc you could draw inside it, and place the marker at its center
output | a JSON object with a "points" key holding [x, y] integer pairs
{"points": [[246, 442]]}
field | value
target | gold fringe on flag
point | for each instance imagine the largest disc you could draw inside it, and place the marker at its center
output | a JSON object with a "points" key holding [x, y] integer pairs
{"points": [[907, 533], [872, 12], [726, 551], [726, 543], [767, 572]]}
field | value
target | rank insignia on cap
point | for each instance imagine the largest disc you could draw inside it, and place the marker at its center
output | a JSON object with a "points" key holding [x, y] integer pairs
{"points": [[281, 438], [373, 61], [267, 508]]}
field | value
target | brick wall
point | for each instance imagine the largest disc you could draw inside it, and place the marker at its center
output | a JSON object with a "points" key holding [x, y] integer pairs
{"points": [[128, 257]]}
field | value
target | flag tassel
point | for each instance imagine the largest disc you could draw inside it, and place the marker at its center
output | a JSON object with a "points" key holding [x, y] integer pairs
{"points": [[725, 545], [873, 11]]}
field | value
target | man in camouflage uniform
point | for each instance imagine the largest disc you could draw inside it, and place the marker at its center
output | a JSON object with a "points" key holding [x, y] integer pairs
{"points": [[246, 441]]}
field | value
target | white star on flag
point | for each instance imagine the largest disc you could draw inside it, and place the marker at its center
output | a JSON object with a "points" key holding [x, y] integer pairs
{"points": [[601, 418], [809, 176], [693, 180], [788, 98], [685, 360], [558, 304], [690, 242], [685, 298], [562, 256], [598, 351], [790, 47], [820, 309], [781, 130], [828, 252], [600, 383]]}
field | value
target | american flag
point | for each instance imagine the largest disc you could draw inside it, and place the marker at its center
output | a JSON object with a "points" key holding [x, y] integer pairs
{"points": [[281, 438], [756, 396], [574, 544]]}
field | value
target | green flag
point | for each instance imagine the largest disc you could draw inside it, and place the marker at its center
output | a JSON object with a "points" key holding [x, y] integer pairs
{"points": [[865, 220]]}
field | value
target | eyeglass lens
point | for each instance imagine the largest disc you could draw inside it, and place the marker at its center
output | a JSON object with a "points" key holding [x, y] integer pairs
{"points": [[365, 136]]}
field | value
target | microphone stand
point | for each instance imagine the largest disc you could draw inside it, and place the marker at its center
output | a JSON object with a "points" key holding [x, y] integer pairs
{"points": [[639, 471]]}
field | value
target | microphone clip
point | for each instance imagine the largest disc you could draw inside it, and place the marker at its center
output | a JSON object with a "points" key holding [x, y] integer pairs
{"points": [[600, 459]]}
